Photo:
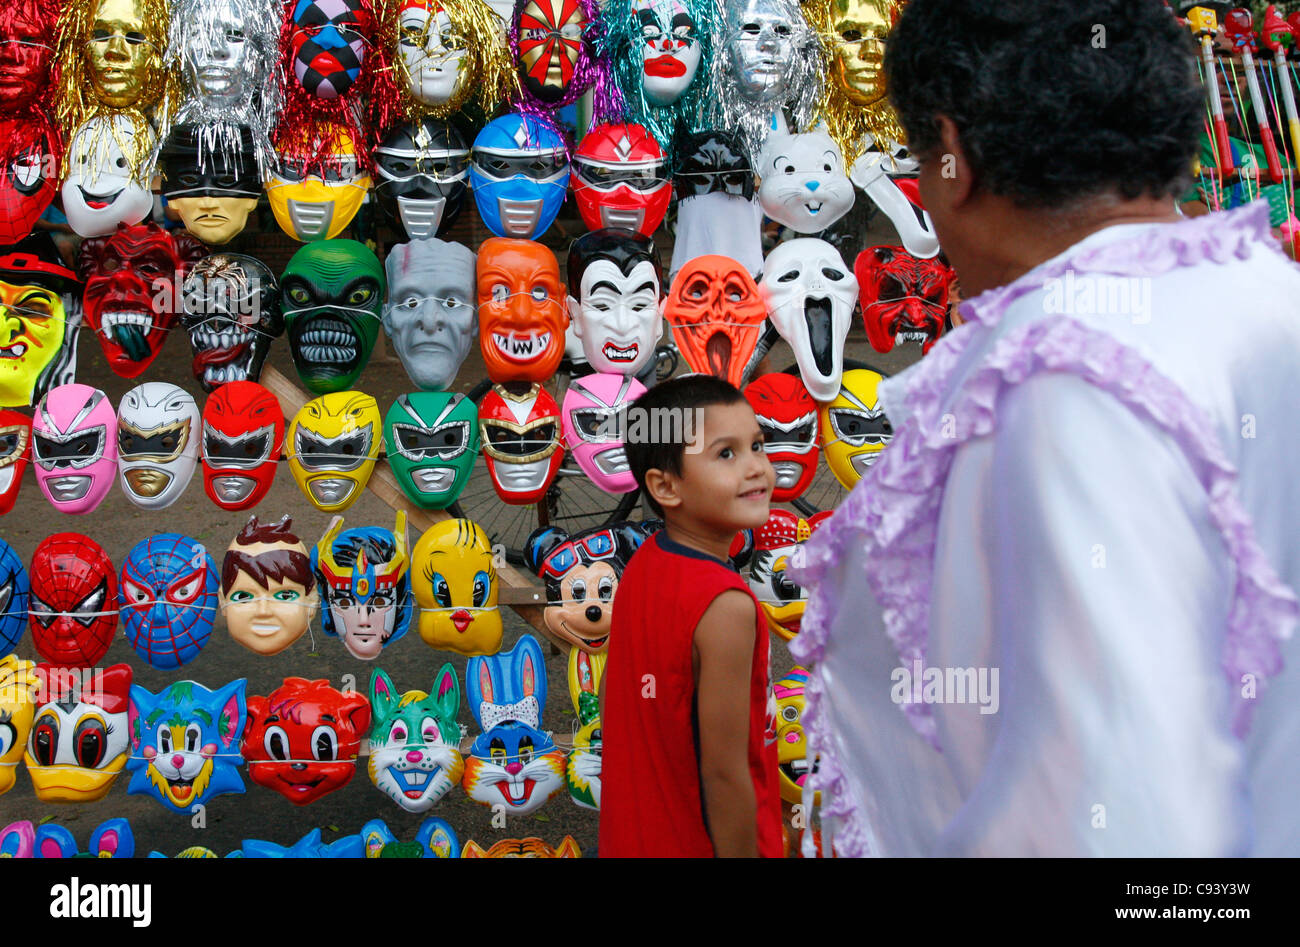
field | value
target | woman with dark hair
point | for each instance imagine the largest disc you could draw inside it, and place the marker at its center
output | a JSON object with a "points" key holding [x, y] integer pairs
{"points": [[1053, 619]]}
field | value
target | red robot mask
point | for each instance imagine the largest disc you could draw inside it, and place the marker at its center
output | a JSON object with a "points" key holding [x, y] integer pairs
{"points": [[716, 314], [15, 452], [621, 179], [73, 600], [128, 274], [903, 299], [30, 177], [243, 432], [522, 316], [27, 36], [787, 415], [303, 739], [521, 442]]}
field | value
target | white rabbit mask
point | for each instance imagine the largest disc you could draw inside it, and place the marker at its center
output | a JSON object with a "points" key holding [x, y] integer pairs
{"points": [[804, 185]]}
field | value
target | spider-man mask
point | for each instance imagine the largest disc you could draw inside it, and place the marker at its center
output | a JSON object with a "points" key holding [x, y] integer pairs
{"points": [[169, 599], [716, 314], [15, 452], [14, 590], [522, 315], [521, 442], [243, 431], [787, 416], [73, 600], [328, 44], [621, 179], [130, 278], [904, 299], [550, 45], [30, 178]]}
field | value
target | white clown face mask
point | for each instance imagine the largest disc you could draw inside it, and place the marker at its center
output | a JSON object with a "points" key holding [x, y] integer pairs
{"points": [[670, 50], [100, 192], [619, 318], [158, 443]]}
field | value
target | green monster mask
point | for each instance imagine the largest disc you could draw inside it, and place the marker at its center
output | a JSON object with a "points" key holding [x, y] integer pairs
{"points": [[332, 292], [432, 441]]}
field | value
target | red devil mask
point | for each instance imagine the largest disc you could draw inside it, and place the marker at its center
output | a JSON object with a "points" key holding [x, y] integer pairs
{"points": [[621, 179], [521, 442], [131, 278], [522, 316], [243, 431], [716, 314], [15, 452], [73, 600], [903, 299], [787, 415]]}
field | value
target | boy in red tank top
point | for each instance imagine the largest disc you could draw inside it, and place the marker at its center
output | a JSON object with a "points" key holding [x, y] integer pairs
{"points": [[689, 765]]}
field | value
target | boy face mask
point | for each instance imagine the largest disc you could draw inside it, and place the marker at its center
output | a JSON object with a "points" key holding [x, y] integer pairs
{"points": [[334, 441], [268, 591], [429, 316], [243, 430], [364, 581], [231, 312], [433, 443], [157, 443], [74, 447], [73, 600], [168, 594]]}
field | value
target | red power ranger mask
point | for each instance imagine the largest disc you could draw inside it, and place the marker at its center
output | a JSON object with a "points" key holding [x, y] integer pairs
{"points": [[73, 600], [787, 416], [15, 452], [127, 274], [27, 36], [521, 443], [903, 299], [716, 314], [30, 177], [243, 431], [621, 179]]}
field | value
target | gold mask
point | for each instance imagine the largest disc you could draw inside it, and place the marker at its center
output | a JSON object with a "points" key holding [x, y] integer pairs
{"points": [[860, 28], [121, 58]]}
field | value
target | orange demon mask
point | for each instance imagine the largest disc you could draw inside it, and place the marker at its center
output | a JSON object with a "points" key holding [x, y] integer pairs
{"points": [[717, 315], [521, 310]]}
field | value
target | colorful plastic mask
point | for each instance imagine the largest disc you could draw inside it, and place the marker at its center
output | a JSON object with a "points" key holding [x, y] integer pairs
{"points": [[513, 762], [716, 313], [594, 419], [328, 42], [454, 580], [27, 37], [713, 161], [268, 589], [74, 447], [530, 847], [433, 444], [521, 443], [304, 737], [520, 175], [421, 170], [112, 838], [810, 296], [617, 314], [38, 349], [185, 743], [122, 50], [309, 846], [317, 182], [243, 431], [79, 737], [214, 194], [414, 743], [231, 306], [582, 771], [169, 599], [18, 689], [131, 278], [804, 185], [787, 415], [435, 838], [552, 44], [29, 163], [859, 31], [793, 768], [332, 293], [15, 452], [774, 544], [904, 299], [621, 179], [853, 427], [449, 51], [73, 600], [14, 589], [363, 576], [157, 443], [100, 191], [522, 315], [674, 45], [333, 443], [429, 316], [227, 51]]}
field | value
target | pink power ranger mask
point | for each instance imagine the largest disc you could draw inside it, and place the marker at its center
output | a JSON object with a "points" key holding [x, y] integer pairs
{"points": [[621, 179], [593, 416], [787, 416], [74, 447]]}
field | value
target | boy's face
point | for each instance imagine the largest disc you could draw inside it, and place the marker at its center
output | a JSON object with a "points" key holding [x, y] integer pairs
{"points": [[726, 479]]}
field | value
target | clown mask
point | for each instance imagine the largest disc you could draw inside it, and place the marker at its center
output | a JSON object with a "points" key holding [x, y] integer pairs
{"points": [[215, 196], [169, 599], [670, 49], [334, 441], [433, 443], [243, 429], [716, 314], [38, 339], [14, 593], [157, 443], [73, 600], [617, 315], [594, 421], [521, 443], [904, 299], [231, 306], [583, 768], [363, 577], [804, 185], [434, 55], [853, 427], [332, 293], [787, 415], [429, 316], [810, 296], [522, 316], [317, 184], [100, 192], [774, 544], [552, 55], [713, 161], [621, 179], [327, 44], [29, 178], [421, 170], [123, 58], [74, 447], [79, 737], [414, 744], [455, 583], [19, 687], [15, 452], [793, 767], [268, 590], [520, 175], [303, 738]]}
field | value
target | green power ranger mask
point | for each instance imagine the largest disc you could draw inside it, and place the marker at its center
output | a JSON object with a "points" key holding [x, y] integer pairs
{"points": [[432, 441], [332, 292]]}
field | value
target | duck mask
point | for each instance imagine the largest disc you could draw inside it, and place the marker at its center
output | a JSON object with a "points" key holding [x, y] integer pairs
{"points": [[594, 419], [552, 42], [618, 312], [414, 744], [73, 600], [793, 767], [716, 313], [520, 175], [231, 311], [521, 442], [621, 179], [169, 599], [243, 429], [157, 443], [429, 316], [304, 737], [774, 544], [810, 297], [317, 181], [522, 315], [363, 577], [904, 299], [215, 196], [38, 349], [421, 169], [15, 453], [713, 161], [100, 191], [79, 738], [433, 444], [29, 169], [328, 41], [18, 689], [14, 592], [334, 441], [332, 293], [853, 427], [74, 447], [803, 184], [455, 583], [268, 590], [132, 280], [787, 416]]}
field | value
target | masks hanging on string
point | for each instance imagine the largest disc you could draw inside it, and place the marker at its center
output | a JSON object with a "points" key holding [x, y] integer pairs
{"points": [[429, 316], [231, 306], [214, 197], [904, 299], [74, 447], [415, 740], [168, 594], [18, 690], [363, 575], [268, 589], [333, 443], [455, 584], [803, 184], [621, 179], [787, 415], [522, 316], [157, 443], [618, 312], [521, 443], [30, 157], [775, 543], [41, 317], [520, 175], [421, 169], [433, 444], [853, 427], [243, 430], [79, 738], [73, 600], [716, 314], [594, 424]]}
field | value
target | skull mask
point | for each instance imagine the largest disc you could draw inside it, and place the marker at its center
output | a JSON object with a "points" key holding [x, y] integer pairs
{"points": [[716, 314], [157, 443], [231, 312]]}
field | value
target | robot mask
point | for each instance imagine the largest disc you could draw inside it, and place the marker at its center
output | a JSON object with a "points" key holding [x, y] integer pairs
{"points": [[429, 316], [853, 427], [904, 299], [713, 161], [317, 183], [520, 175], [433, 444], [787, 416], [363, 577], [334, 441], [522, 315], [15, 453], [716, 313], [621, 179], [157, 443], [268, 589], [243, 430], [421, 169], [73, 600], [455, 583], [231, 306], [79, 738], [74, 447], [594, 420], [169, 599], [617, 315], [521, 442]]}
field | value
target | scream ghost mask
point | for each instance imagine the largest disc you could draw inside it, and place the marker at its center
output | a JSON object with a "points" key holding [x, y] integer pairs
{"points": [[520, 175], [158, 434], [363, 575], [618, 312], [716, 314], [231, 306], [243, 431], [74, 447], [621, 179], [38, 332], [333, 443], [433, 443], [521, 310], [73, 600], [169, 599], [268, 590], [429, 316], [421, 170], [803, 184]]}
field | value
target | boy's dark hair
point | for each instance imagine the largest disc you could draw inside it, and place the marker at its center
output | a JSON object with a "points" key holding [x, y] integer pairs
{"points": [[665, 443]]}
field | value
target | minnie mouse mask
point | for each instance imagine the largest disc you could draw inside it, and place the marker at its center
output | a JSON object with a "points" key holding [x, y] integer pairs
{"points": [[716, 313], [243, 431], [74, 447], [38, 341]]}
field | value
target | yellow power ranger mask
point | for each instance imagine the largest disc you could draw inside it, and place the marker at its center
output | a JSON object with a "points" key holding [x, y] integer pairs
{"points": [[333, 443], [853, 427], [317, 199]]}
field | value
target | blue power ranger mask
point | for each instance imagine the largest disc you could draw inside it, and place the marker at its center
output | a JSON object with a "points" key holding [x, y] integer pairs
{"points": [[520, 174]]}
